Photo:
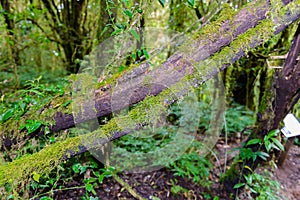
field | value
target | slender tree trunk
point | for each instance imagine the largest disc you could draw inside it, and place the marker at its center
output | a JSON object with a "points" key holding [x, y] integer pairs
{"points": [[12, 40]]}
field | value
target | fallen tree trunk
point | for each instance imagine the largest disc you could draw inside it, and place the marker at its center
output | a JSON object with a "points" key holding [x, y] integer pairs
{"points": [[242, 38], [225, 30]]}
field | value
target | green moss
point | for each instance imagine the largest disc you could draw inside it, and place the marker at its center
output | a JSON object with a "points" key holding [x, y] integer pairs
{"points": [[20, 170], [210, 31]]}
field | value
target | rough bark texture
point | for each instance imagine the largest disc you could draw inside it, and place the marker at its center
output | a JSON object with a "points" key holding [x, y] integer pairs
{"points": [[244, 20]]}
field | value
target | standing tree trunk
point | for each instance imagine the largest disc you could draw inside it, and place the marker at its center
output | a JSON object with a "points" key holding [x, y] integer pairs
{"points": [[67, 20], [11, 40], [278, 101]]}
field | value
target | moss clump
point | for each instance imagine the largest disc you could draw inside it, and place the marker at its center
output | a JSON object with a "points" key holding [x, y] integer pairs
{"points": [[20, 170]]}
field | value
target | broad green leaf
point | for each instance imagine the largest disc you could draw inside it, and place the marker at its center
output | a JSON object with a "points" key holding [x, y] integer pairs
{"points": [[90, 188], [268, 145], [8, 114], [263, 155], [254, 141], [76, 167], [133, 56], [128, 13], [135, 34], [32, 125], [36, 177], [191, 3], [146, 53], [238, 185], [121, 68], [273, 133], [139, 52], [278, 144], [162, 2], [100, 178]]}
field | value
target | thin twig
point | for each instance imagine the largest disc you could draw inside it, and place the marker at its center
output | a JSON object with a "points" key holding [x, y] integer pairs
{"points": [[127, 187]]}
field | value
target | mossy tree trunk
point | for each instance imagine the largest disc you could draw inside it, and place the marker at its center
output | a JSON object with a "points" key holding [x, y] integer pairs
{"points": [[283, 93]]}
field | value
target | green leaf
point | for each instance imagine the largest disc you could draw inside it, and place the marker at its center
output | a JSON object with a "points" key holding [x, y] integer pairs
{"points": [[66, 103], [262, 155], [76, 167], [238, 185], [133, 56], [139, 52], [32, 125], [268, 145], [45, 198], [191, 3], [278, 144], [162, 2], [116, 32], [90, 188], [128, 13], [8, 114], [46, 130], [101, 178], [273, 133], [135, 34], [146, 53], [36, 92], [36, 177], [122, 68], [254, 141]]}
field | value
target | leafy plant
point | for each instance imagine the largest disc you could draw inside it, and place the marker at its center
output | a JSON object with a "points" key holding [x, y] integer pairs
{"points": [[260, 187], [238, 117], [177, 189], [34, 94], [193, 166], [270, 141], [248, 153]]}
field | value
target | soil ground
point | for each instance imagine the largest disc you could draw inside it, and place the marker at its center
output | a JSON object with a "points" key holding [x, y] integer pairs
{"points": [[289, 174]]}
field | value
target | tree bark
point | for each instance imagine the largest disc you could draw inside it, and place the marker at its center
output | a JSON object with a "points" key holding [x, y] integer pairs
{"points": [[243, 21]]}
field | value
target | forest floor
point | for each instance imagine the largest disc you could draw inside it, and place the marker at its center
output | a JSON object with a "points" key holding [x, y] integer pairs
{"points": [[161, 183], [289, 174]]}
